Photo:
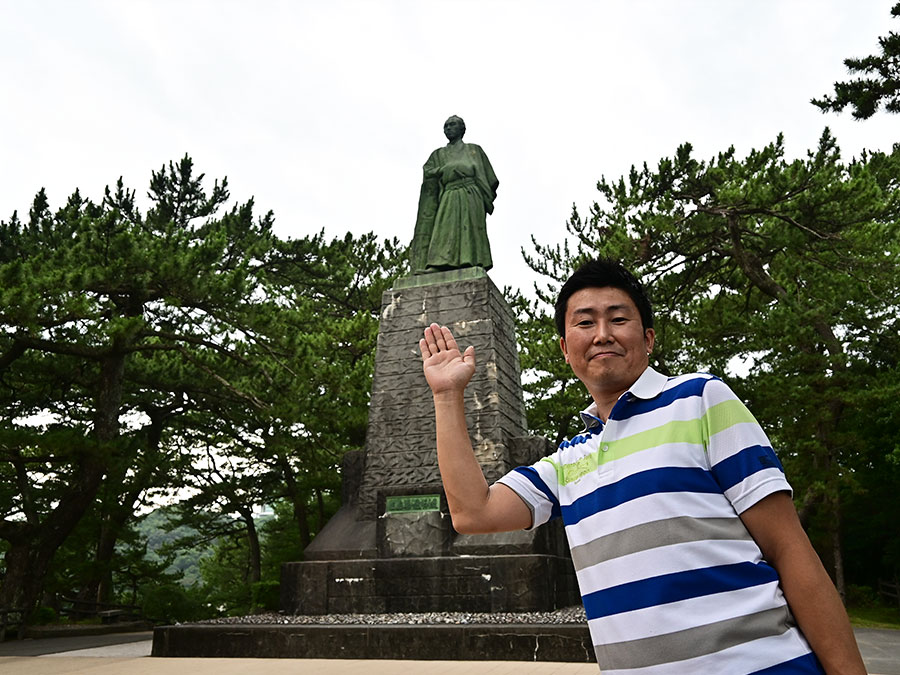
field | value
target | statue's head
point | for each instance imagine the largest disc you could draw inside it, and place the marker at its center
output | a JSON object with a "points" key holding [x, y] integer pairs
{"points": [[454, 128]]}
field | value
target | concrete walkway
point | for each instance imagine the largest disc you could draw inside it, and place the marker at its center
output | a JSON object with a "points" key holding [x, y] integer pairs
{"points": [[127, 654]]}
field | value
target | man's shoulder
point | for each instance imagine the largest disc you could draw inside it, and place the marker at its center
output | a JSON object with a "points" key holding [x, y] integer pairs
{"points": [[696, 379], [700, 384], [670, 395], [653, 384], [654, 392], [705, 389]]}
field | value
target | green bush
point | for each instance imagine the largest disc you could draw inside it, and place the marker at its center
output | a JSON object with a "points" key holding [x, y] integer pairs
{"points": [[170, 602], [266, 595], [861, 596], [42, 616]]}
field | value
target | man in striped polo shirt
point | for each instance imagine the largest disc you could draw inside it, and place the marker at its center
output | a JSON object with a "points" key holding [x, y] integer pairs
{"points": [[688, 550]]}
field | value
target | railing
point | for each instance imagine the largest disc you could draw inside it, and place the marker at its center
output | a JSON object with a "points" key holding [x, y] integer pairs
{"points": [[74, 609], [890, 592], [11, 618]]}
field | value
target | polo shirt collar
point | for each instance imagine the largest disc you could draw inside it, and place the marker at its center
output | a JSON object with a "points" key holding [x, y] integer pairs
{"points": [[649, 385]]}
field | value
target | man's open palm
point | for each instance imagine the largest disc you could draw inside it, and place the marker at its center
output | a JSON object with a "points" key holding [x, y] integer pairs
{"points": [[446, 369]]}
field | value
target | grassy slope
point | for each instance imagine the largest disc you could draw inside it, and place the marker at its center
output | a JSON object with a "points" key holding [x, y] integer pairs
{"points": [[875, 617]]}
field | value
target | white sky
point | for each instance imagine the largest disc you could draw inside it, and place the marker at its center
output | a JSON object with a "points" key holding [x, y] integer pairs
{"points": [[326, 111]]}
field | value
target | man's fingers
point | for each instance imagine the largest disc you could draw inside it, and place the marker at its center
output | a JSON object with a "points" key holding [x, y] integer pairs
{"points": [[429, 340], [437, 339], [448, 338], [469, 355]]}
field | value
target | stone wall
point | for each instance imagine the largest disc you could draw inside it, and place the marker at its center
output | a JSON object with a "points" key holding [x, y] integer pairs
{"points": [[391, 547], [400, 448], [494, 583]]}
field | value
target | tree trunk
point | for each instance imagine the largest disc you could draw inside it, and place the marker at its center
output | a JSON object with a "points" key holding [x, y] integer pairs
{"points": [[811, 498], [100, 585], [118, 508], [837, 549], [33, 547], [22, 586], [14, 593], [320, 504], [254, 571], [108, 402], [298, 501]]}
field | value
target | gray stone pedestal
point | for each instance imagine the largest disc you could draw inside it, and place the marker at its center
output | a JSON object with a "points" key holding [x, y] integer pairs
{"points": [[391, 547]]}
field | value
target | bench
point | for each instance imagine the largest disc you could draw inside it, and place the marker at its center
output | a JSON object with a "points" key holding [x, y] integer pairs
{"points": [[112, 615]]}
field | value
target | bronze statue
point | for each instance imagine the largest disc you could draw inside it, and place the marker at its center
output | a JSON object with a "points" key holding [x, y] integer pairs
{"points": [[458, 191]]}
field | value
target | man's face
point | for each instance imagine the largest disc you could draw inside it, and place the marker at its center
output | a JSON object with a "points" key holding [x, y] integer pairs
{"points": [[605, 343], [453, 129]]}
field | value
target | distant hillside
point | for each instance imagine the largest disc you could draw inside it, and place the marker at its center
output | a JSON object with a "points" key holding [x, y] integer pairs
{"points": [[153, 528]]}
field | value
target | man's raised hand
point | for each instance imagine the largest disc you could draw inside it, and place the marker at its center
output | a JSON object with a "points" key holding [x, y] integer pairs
{"points": [[446, 369]]}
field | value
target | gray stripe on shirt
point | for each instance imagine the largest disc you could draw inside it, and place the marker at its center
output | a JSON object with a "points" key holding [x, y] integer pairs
{"points": [[658, 533], [694, 642]]}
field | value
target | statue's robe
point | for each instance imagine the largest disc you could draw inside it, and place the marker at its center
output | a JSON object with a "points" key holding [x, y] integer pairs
{"points": [[458, 191]]}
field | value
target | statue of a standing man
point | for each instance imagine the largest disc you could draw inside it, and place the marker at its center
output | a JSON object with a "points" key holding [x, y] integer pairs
{"points": [[458, 191]]}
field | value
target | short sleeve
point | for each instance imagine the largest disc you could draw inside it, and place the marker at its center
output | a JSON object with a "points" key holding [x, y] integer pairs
{"points": [[740, 455], [538, 487]]}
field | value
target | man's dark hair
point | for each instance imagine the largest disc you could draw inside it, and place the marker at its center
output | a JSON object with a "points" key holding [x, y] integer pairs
{"points": [[603, 273]]}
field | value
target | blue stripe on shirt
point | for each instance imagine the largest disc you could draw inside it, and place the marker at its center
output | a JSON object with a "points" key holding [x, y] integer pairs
{"points": [[532, 475], [731, 471], [675, 587], [666, 479], [807, 664], [637, 406]]}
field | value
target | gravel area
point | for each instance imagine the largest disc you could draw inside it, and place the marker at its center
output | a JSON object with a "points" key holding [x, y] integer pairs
{"points": [[567, 615]]}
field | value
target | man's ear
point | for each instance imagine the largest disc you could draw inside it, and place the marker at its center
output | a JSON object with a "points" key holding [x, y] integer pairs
{"points": [[649, 339], [562, 346]]}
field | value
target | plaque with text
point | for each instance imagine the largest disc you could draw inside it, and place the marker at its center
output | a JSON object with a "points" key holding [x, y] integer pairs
{"points": [[412, 503]]}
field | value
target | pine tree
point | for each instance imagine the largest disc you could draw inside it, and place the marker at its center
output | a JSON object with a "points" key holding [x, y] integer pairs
{"points": [[879, 82]]}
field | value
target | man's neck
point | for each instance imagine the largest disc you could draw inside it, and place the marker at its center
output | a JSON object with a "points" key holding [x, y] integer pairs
{"points": [[606, 399], [605, 403]]}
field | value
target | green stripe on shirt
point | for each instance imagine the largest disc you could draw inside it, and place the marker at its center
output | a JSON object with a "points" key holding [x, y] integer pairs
{"points": [[718, 418]]}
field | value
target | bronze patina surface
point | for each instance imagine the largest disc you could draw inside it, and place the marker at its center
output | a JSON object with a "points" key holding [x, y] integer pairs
{"points": [[458, 191]]}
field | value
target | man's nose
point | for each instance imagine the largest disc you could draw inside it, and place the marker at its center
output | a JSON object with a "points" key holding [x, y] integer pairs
{"points": [[601, 332]]}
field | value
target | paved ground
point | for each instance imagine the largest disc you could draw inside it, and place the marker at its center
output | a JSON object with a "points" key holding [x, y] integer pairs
{"points": [[111, 644], [880, 650], [126, 654]]}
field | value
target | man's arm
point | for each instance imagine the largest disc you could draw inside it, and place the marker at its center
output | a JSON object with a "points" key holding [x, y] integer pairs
{"points": [[815, 603], [475, 507]]}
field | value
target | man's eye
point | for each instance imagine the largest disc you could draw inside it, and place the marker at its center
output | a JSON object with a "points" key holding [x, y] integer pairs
{"points": [[619, 319]]}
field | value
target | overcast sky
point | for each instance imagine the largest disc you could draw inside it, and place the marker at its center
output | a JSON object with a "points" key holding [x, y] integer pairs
{"points": [[326, 111]]}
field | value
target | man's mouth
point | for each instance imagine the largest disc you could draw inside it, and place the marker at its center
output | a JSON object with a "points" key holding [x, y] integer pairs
{"points": [[602, 355]]}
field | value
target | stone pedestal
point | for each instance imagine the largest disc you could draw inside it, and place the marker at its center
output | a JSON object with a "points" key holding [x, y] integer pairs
{"points": [[391, 547]]}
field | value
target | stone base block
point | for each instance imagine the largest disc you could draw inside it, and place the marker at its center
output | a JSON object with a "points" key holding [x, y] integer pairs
{"points": [[494, 583], [475, 642]]}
